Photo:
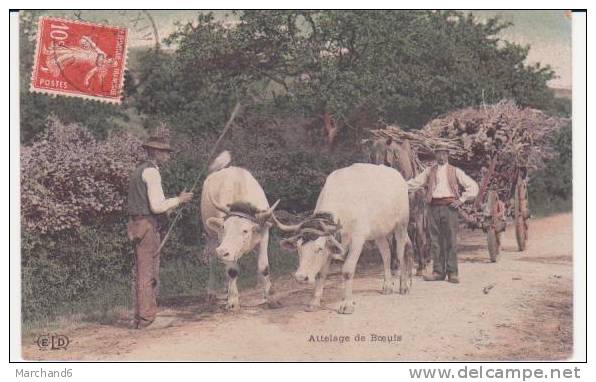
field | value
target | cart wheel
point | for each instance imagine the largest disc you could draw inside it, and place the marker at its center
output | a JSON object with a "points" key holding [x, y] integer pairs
{"points": [[495, 225], [494, 245], [521, 214]]}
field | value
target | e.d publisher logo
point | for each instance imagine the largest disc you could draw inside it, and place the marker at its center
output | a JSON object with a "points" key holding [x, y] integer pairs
{"points": [[52, 342]]}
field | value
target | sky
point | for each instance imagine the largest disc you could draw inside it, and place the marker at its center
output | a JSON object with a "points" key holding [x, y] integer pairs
{"points": [[547, 32]]}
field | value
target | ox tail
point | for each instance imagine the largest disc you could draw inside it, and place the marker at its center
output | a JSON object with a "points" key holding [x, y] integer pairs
{"points": [[222, 161]]}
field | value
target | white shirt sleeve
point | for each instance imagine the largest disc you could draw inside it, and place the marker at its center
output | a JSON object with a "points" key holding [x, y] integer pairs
{"points": [[419, 181], [469, 185], [157, 201]]}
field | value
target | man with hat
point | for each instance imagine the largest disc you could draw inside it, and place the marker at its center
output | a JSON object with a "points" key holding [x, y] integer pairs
{"points": [[442, 183], [146, 208]]}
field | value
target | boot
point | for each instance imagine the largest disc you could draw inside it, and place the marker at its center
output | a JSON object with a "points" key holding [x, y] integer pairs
{"points": [[140, 323], [434, 277]]}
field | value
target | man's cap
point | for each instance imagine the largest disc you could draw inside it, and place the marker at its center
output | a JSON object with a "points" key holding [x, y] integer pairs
{"points": [[159, 143]]}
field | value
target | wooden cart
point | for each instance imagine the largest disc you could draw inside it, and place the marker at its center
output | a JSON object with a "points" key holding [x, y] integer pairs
{"points": [[497, 144], [493, 207], [489, 212]]}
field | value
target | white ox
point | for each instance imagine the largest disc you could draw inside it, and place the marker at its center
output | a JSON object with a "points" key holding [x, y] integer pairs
{"points": [[358, 203], [236, 214]]}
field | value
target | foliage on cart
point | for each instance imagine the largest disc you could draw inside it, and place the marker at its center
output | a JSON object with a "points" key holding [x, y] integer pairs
{"points": [[515, 138]]}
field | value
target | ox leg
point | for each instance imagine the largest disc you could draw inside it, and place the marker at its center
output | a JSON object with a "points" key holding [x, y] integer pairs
{"points": [[263, 272], [405, 256], [394, 263], [315, 303], [388, 282], [232, 271], [348, 270], [211, 260], [420, 244]]}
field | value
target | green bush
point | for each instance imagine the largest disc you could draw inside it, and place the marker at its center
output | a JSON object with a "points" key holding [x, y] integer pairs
{"points": [[64, 271], [551, 188]]}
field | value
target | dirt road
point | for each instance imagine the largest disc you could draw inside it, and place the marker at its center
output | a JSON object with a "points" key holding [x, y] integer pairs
{"points": [[517, 308]]}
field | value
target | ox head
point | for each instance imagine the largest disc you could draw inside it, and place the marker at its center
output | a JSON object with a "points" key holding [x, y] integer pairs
{"points": [[392, 153], [240, 230], [377, 151], [316, 244]]}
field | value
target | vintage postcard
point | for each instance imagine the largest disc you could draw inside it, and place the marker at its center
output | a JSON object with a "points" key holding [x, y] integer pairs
{"points": [[297, 185]]}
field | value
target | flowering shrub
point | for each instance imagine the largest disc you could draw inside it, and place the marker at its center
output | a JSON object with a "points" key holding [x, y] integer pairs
{"points": [[69, 178]]}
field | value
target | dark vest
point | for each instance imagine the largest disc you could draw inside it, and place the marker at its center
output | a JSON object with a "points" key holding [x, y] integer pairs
{"points": [[138, 200], [431, 181]]}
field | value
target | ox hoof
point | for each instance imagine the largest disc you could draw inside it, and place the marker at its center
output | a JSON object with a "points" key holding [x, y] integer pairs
{"points": [[312, 307], [404, 289], [388, 287], [274, 304], [233, 306], [346, 307]]}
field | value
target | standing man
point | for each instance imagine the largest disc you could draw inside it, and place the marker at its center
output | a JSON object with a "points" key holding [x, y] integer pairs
{"points": [[146, 208], [442, 182]]}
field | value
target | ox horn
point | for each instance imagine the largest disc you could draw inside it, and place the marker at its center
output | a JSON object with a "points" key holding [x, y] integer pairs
{"points": [[341, 248], [328, 228], [265, 215], [285, 227], [313, 230], [218, 206]]}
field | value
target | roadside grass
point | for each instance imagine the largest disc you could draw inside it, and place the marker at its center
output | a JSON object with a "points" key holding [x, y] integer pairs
{"points": [[113, 302], [544, 205], [107, 304]]}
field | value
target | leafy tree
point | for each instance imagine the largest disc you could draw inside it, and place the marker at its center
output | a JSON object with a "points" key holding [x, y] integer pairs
{"points": [[554, 183], [402, 67]]}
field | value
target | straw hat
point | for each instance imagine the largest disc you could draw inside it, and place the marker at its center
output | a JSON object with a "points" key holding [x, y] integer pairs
{"points": [[441, 147]]}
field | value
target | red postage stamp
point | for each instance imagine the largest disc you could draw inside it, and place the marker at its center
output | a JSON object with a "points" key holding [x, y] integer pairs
{"points": [[79, 59]]}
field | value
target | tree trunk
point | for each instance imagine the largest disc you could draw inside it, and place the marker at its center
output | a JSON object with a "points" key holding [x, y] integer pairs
{"points": [[331, 128]]}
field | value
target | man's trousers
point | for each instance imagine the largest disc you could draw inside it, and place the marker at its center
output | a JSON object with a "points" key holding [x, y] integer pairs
{"points": [[144, 232], [443, 225]]}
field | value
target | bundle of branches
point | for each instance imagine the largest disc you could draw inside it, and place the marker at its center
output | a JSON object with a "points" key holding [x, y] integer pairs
{"points": [[421, 142], [517, 137]]}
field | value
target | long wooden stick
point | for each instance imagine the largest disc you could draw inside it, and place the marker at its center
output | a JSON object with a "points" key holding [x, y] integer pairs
{"points": [[196, 182]]}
